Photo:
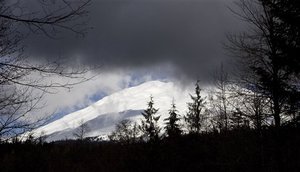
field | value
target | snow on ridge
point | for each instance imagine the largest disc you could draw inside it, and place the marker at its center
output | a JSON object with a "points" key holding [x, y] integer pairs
{"points": [[133, 98]]}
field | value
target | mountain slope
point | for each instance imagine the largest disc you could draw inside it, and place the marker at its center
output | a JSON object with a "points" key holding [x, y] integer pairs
{"points": [[102, 116]]}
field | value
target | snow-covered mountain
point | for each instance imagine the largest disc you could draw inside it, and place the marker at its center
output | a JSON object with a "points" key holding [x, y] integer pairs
{"points": [[102, 116]]}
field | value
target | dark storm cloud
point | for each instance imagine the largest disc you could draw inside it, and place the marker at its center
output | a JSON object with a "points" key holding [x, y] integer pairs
{"points": [[142, 33]]}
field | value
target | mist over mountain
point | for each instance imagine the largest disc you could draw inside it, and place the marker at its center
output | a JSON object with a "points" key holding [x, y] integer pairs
{"points": [[102, 116]]}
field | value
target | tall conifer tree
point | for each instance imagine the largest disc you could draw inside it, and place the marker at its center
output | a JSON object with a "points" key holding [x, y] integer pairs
{"points": [[195, 116], [149, 125], [172, 127]]}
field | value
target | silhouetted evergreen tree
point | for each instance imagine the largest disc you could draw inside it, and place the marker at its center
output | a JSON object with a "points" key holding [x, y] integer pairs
{"points": [[149, 126], [172, 127], [195, 115]]}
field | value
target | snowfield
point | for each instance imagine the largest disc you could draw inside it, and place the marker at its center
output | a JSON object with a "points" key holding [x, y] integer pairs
{"points": [[102, 116]]}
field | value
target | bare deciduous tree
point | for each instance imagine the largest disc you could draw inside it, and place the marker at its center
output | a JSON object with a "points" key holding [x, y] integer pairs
{"points": [[252, 106], [262, 56], [219, 100], [125, 132], [81, 131], [46, 17], [22, 81]]}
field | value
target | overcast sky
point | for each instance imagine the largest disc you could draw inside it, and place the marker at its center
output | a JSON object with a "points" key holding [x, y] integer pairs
{"points": [[144, 33], [143, 40]]}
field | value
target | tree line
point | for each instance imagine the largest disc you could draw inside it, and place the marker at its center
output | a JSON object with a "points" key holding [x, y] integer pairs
{"points": [[262, 91], [226, 108]]}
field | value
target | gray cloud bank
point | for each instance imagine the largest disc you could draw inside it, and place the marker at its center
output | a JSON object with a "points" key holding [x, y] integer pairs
{"points": [[187, 34]]}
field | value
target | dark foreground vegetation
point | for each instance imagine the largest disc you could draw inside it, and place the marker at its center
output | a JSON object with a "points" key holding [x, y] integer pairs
{"points": [[236, 150]]}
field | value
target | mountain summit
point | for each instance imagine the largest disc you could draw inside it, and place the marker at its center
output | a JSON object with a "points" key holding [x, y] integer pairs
{"points": [[128, 103]]}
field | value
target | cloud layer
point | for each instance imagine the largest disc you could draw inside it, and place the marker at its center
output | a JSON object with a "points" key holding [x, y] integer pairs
{"points": [[132, 34]]}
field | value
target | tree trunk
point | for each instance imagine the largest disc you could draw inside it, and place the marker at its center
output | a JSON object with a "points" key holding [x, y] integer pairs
{"points": [[276, 106]]}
